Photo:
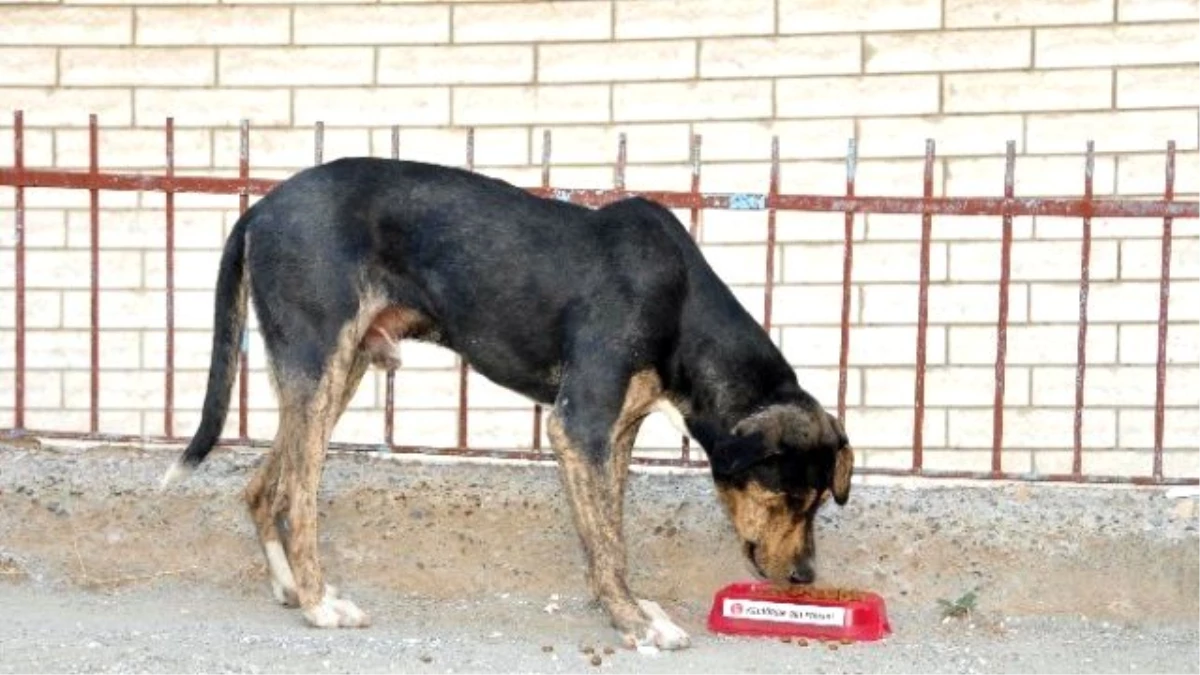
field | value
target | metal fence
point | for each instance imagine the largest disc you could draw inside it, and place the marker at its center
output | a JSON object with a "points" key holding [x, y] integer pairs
{"points": [[771, 201]]}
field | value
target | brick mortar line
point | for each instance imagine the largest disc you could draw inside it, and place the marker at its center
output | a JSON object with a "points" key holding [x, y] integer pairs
{"points": [[864, 56], [276, 10], [671, 164], [612, 20], [528, 81], [981, 28], [32, 126], [700, 40], [859, 74], [291, 42], [942, 28], [631, 123]]}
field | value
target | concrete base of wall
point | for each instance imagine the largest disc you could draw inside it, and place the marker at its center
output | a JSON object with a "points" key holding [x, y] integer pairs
{"points": [[413, 526]]}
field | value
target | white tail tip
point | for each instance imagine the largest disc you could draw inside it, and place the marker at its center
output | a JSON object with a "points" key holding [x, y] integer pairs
{"points": [[176, 473]]}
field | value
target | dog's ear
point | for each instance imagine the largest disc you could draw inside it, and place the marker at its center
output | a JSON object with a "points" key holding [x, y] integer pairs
{"points": [[843, 463], [804, 427], [734, 454]]}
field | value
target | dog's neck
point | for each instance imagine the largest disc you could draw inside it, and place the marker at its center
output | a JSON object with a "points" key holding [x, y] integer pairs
{"points": [[724, 367], [716, 388]]}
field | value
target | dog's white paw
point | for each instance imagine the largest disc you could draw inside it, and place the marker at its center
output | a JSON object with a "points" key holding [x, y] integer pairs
{"points": [[334, 612], [322, 615], [283, 584], [662, 632], [349, 615], [283, 595]]}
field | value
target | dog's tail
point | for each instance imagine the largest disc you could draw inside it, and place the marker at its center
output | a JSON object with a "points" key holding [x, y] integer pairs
{"points": [[229, 321]]}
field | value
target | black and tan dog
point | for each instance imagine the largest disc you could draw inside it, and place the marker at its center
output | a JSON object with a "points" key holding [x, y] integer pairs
{"points": [[606, 314]]}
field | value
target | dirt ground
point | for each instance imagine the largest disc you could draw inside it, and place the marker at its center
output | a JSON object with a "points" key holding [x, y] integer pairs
{"points": [[458, 562]]}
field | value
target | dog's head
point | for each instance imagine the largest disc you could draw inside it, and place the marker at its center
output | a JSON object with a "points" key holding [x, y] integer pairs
{"points": [[773, 473]]}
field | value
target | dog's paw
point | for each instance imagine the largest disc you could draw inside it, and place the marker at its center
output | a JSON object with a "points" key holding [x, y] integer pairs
{"points": [[284, 595], [335, 612], [283, 583], [349, 615], [662, 633]]}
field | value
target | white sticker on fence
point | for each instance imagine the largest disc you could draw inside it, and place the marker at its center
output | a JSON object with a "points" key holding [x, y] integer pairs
{"points": [[757, 610]]}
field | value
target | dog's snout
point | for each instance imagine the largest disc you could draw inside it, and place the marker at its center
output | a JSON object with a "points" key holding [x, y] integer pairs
{"points": [[802, 573]]}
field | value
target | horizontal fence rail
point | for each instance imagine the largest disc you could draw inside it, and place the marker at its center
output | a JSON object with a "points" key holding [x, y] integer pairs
{"points": [[1087, 207]]}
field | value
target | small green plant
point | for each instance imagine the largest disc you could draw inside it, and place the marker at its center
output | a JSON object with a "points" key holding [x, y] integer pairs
{"points": [[960, 608]]}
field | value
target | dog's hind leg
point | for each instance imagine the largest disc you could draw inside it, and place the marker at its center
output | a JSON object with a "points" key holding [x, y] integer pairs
{"points": [[281, 496], [354, 376], [260, 496], [299, 481], [267, 498]]}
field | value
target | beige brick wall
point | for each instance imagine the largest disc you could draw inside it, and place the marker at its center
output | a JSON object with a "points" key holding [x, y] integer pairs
{"points": [[971, 74]]}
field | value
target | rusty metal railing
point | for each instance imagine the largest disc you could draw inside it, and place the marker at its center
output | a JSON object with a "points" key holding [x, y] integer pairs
{"points": [[21, 178]]}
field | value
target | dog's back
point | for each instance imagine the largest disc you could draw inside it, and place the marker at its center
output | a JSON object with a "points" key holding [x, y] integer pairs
{"points": [[477, 256]]}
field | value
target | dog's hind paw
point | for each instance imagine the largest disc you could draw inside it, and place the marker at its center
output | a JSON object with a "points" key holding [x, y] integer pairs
{"points": [[334, 612], [662, 633]]}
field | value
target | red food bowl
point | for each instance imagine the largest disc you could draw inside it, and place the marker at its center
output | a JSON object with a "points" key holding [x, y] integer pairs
{"points": [[763, 609]]}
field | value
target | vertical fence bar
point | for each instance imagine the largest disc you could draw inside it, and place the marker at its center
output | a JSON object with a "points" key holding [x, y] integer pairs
{"points": [[319, 142], [918, 457], [169, 374], [1085, 258], [537, 407], [389, 395], [1164, 296], [685, 443], [546, 149], [694, 211], [1010, 160], [19, 274], [463, 379], [622, 155], [847, 271], [243, 356], [94, 223], [772, 198]]}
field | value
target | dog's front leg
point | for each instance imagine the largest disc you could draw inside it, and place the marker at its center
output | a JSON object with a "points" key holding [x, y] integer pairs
{"points": [[584, 474]]}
